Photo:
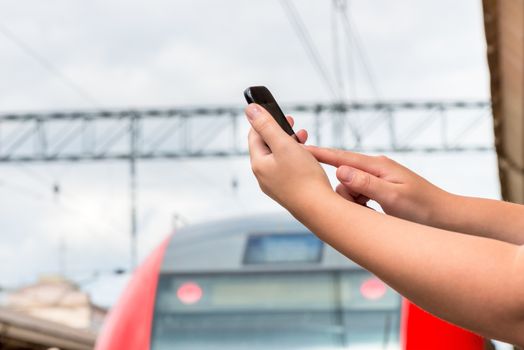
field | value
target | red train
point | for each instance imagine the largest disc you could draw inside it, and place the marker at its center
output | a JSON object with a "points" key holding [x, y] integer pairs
{"points": [[265, 282]]}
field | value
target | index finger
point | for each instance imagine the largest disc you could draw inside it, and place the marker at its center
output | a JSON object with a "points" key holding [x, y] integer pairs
{"points": [[338, 157]]}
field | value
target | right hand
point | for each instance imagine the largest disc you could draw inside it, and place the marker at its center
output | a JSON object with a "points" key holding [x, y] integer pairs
{"points": [[284, 169], [399, 191]]}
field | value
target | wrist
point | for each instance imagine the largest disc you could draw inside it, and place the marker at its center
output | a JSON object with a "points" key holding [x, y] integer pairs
{"points": [[442, 212], [310, 201]]}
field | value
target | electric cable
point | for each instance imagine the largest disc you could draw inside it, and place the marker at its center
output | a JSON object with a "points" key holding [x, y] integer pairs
{"points": [[337, 60], [21, 190], [352, 32], [48, 65], [305, 38]]}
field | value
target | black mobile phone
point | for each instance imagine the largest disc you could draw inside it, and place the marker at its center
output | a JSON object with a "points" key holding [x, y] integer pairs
{"points": [[261, 95]]}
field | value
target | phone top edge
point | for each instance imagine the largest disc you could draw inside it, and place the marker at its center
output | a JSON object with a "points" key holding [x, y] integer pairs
{"points": [[262, 96], [258, 94], [248, 96], [258, 87]]}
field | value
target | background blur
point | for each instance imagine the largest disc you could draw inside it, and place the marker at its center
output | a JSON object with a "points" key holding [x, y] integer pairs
{"points": [[72, 219]]}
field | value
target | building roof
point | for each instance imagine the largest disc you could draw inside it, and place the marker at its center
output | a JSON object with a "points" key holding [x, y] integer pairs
{"points": [[24, 332], [57, 299]]}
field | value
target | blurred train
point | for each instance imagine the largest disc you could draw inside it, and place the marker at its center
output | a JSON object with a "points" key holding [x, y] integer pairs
{"points": [[265, 282]]}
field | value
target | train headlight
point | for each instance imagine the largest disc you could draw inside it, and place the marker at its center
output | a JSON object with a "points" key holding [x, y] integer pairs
{"points": [[189, 293], [373, 289]]}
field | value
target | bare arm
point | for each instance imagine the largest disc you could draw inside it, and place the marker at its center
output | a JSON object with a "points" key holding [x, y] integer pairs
{"points": [[484, 217], [474, 282], [406, 195]]}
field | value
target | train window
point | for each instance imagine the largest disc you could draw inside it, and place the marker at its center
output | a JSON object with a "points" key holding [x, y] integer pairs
{"points": [[284, 310], [283, 248]]}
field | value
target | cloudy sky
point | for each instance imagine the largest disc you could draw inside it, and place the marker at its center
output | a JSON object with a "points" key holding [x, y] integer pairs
{"points": [[195, 52]]}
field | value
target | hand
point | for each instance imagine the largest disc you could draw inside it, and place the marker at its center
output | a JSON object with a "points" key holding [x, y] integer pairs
{"points": [[285, 170], [399, 191]]}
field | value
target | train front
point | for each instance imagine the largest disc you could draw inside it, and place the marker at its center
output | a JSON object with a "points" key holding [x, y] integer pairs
{"points": [[261, 282]]}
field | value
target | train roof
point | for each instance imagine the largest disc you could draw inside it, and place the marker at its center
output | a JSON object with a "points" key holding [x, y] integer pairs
{"points": [[220, 246]]}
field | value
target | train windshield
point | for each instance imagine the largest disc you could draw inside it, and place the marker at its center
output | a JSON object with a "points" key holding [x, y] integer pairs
{"points": [[285, 310]]}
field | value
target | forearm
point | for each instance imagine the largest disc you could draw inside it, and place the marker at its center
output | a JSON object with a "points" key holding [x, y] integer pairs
{"points": [[455, 276], [483, 217]]}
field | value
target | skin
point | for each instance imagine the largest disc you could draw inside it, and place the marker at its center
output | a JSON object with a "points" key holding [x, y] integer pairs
{"points": [[454, 256], [406, 195]]}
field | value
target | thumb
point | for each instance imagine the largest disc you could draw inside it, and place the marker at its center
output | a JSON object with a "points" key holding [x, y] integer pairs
{"points": [[364, 183], [265, 125]]}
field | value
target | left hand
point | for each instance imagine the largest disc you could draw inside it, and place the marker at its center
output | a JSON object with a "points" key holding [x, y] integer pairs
{"points": [[399, 191], [285, 170]]}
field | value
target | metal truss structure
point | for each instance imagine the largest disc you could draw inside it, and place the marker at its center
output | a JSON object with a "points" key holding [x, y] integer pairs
{"points": [[174, 133], [169, 133]]}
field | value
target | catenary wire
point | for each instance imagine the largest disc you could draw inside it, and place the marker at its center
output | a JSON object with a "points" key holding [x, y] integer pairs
{"points": [[48, 65], [305, 38]]}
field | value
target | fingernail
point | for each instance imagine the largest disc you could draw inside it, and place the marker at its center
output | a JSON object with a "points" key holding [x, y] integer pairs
{"points": [[253, 111], [345, 173]]}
